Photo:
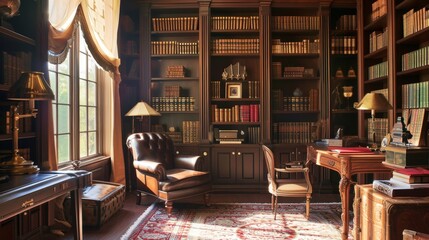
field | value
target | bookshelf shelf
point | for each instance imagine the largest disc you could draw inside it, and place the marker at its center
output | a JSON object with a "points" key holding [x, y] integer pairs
{"points": [[175, 33], [10, 37], [236, 123], [377, 23], [379, 53], [175, 79], [376, 80], [214, 100], [414, 38], [175, 56], [296, 79], [279, 112], [303, 55], [245, 55], [8, 137]]}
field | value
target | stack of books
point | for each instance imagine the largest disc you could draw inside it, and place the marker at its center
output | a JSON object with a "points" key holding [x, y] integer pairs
{"points": [[405, 182]]}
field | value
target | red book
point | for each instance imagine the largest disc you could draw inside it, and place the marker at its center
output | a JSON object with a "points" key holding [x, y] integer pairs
{"points": [[351, 150], [412, 175]]}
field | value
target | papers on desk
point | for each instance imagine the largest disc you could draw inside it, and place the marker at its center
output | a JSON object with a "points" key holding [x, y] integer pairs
{"points": [[351, 150]]}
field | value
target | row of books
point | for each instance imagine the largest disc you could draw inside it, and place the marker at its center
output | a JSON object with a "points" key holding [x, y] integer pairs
{"points": [[296, 23], [415, 95], [191, 131], [292, 132], [309, 103], [236, 113], [253, 134], [252, 89], [377, 40], [415, 120], [174, 24], [13, 64], [346, 22], [179, 104], [129, 47], [173, 47], [378, 70], [343, 45], [235, 23], [298, 72], [235, 45], [378, 9], [415, 59], [304, 46], [406, 182], [176, 71], [297, 104], [172, 91], [415, 20], [381, 128]]}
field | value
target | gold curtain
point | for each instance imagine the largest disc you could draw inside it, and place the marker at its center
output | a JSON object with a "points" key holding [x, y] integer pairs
{"points": [[99, 20]]}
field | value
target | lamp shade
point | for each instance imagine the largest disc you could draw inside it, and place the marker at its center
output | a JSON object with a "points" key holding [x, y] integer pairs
{"points": [[142, 109], [31, 86], [373, 101]]}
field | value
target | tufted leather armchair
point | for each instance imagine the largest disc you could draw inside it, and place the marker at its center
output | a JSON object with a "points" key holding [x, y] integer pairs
{"points": [[162, 173]]}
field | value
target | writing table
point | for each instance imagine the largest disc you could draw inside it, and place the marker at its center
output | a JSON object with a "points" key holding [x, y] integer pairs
{"points": [[346, 164]]}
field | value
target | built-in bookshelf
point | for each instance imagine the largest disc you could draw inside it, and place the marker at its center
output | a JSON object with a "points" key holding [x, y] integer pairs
{"points": [[174, 73], [295, 76], [234, 81], [343, 70]]}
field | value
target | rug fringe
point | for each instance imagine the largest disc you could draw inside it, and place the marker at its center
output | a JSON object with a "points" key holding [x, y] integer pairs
{"points": [[131, 228]]}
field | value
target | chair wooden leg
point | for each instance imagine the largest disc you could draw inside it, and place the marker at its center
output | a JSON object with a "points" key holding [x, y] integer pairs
{"points": [[207, 199], [169, 207], [272, 203], [275, 207], [307, 208]]}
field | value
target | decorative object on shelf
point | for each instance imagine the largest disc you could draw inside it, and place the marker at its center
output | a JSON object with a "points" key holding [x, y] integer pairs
{"points": [[348, 93], [233, 90], [400, 134], [297, 92], [337, 99], [9, 8], [141, 109], [385, 142], [339, 73], [30, 86], [351, 73], [373, 102], [234, 72]]}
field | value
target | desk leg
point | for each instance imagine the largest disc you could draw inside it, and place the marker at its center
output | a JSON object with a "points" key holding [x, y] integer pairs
{"points": [[345, 198], [76, 208]]}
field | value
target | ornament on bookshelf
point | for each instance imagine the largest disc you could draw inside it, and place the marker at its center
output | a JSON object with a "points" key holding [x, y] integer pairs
{"points": [[234, 72], [172, 129], [336, 96], [348, 93], [386, 141], [339, 73], [351, 73], [297, 92]]}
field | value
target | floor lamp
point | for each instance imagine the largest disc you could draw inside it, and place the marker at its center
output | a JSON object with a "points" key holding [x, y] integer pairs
{"points": [[141, 109], [30, 86], [373, 102]]}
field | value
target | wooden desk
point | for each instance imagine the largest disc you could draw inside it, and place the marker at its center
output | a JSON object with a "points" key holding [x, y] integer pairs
{"points": [[346, 165], [24, 192]]}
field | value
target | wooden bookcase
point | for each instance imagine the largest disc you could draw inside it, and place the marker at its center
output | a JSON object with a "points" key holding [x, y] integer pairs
{"points": [[344, 70], [402, 49]]}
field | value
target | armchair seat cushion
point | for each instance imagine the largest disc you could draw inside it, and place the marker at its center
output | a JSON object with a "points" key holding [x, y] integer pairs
{"points": [[183, 178]]}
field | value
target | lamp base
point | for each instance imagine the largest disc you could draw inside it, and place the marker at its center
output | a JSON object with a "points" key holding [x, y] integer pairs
{"points": [[18, 166]]}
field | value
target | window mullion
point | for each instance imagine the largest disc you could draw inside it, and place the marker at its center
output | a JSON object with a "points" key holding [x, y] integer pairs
{"points": [[75, 99]]}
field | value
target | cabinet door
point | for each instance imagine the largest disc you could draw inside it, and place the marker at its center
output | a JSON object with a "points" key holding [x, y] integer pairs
{"points": [[248, 164], [223, 165]]}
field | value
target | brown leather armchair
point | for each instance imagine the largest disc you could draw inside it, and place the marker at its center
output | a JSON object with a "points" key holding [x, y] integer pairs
{"points": [[162, 173]]}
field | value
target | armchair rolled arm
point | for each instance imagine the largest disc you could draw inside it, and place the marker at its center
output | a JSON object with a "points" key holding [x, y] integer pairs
{"points": [[151, 167], [191, 162]]}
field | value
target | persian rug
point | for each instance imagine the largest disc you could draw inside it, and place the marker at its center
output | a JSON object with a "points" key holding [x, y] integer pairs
{"points": [[238, 221]]}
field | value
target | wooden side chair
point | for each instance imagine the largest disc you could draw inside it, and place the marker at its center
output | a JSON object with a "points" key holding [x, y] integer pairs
{"points": [[286, 187]]}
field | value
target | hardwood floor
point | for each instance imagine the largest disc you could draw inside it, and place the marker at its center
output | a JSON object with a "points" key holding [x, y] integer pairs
{"points": [[118, 224]]}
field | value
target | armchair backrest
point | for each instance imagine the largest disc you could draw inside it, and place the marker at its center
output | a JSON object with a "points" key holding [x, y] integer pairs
{"points": [[153, 146]]}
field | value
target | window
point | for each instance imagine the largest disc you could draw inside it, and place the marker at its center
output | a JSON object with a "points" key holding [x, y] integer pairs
{"points": [[76, 107]]}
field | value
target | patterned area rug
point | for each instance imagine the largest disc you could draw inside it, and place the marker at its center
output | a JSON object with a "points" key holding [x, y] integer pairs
{"points": [[238, 221]]}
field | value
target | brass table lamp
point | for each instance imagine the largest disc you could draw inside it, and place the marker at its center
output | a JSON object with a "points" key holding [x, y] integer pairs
{"points": [[373, 102], [141, 109], [30, 86]]}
